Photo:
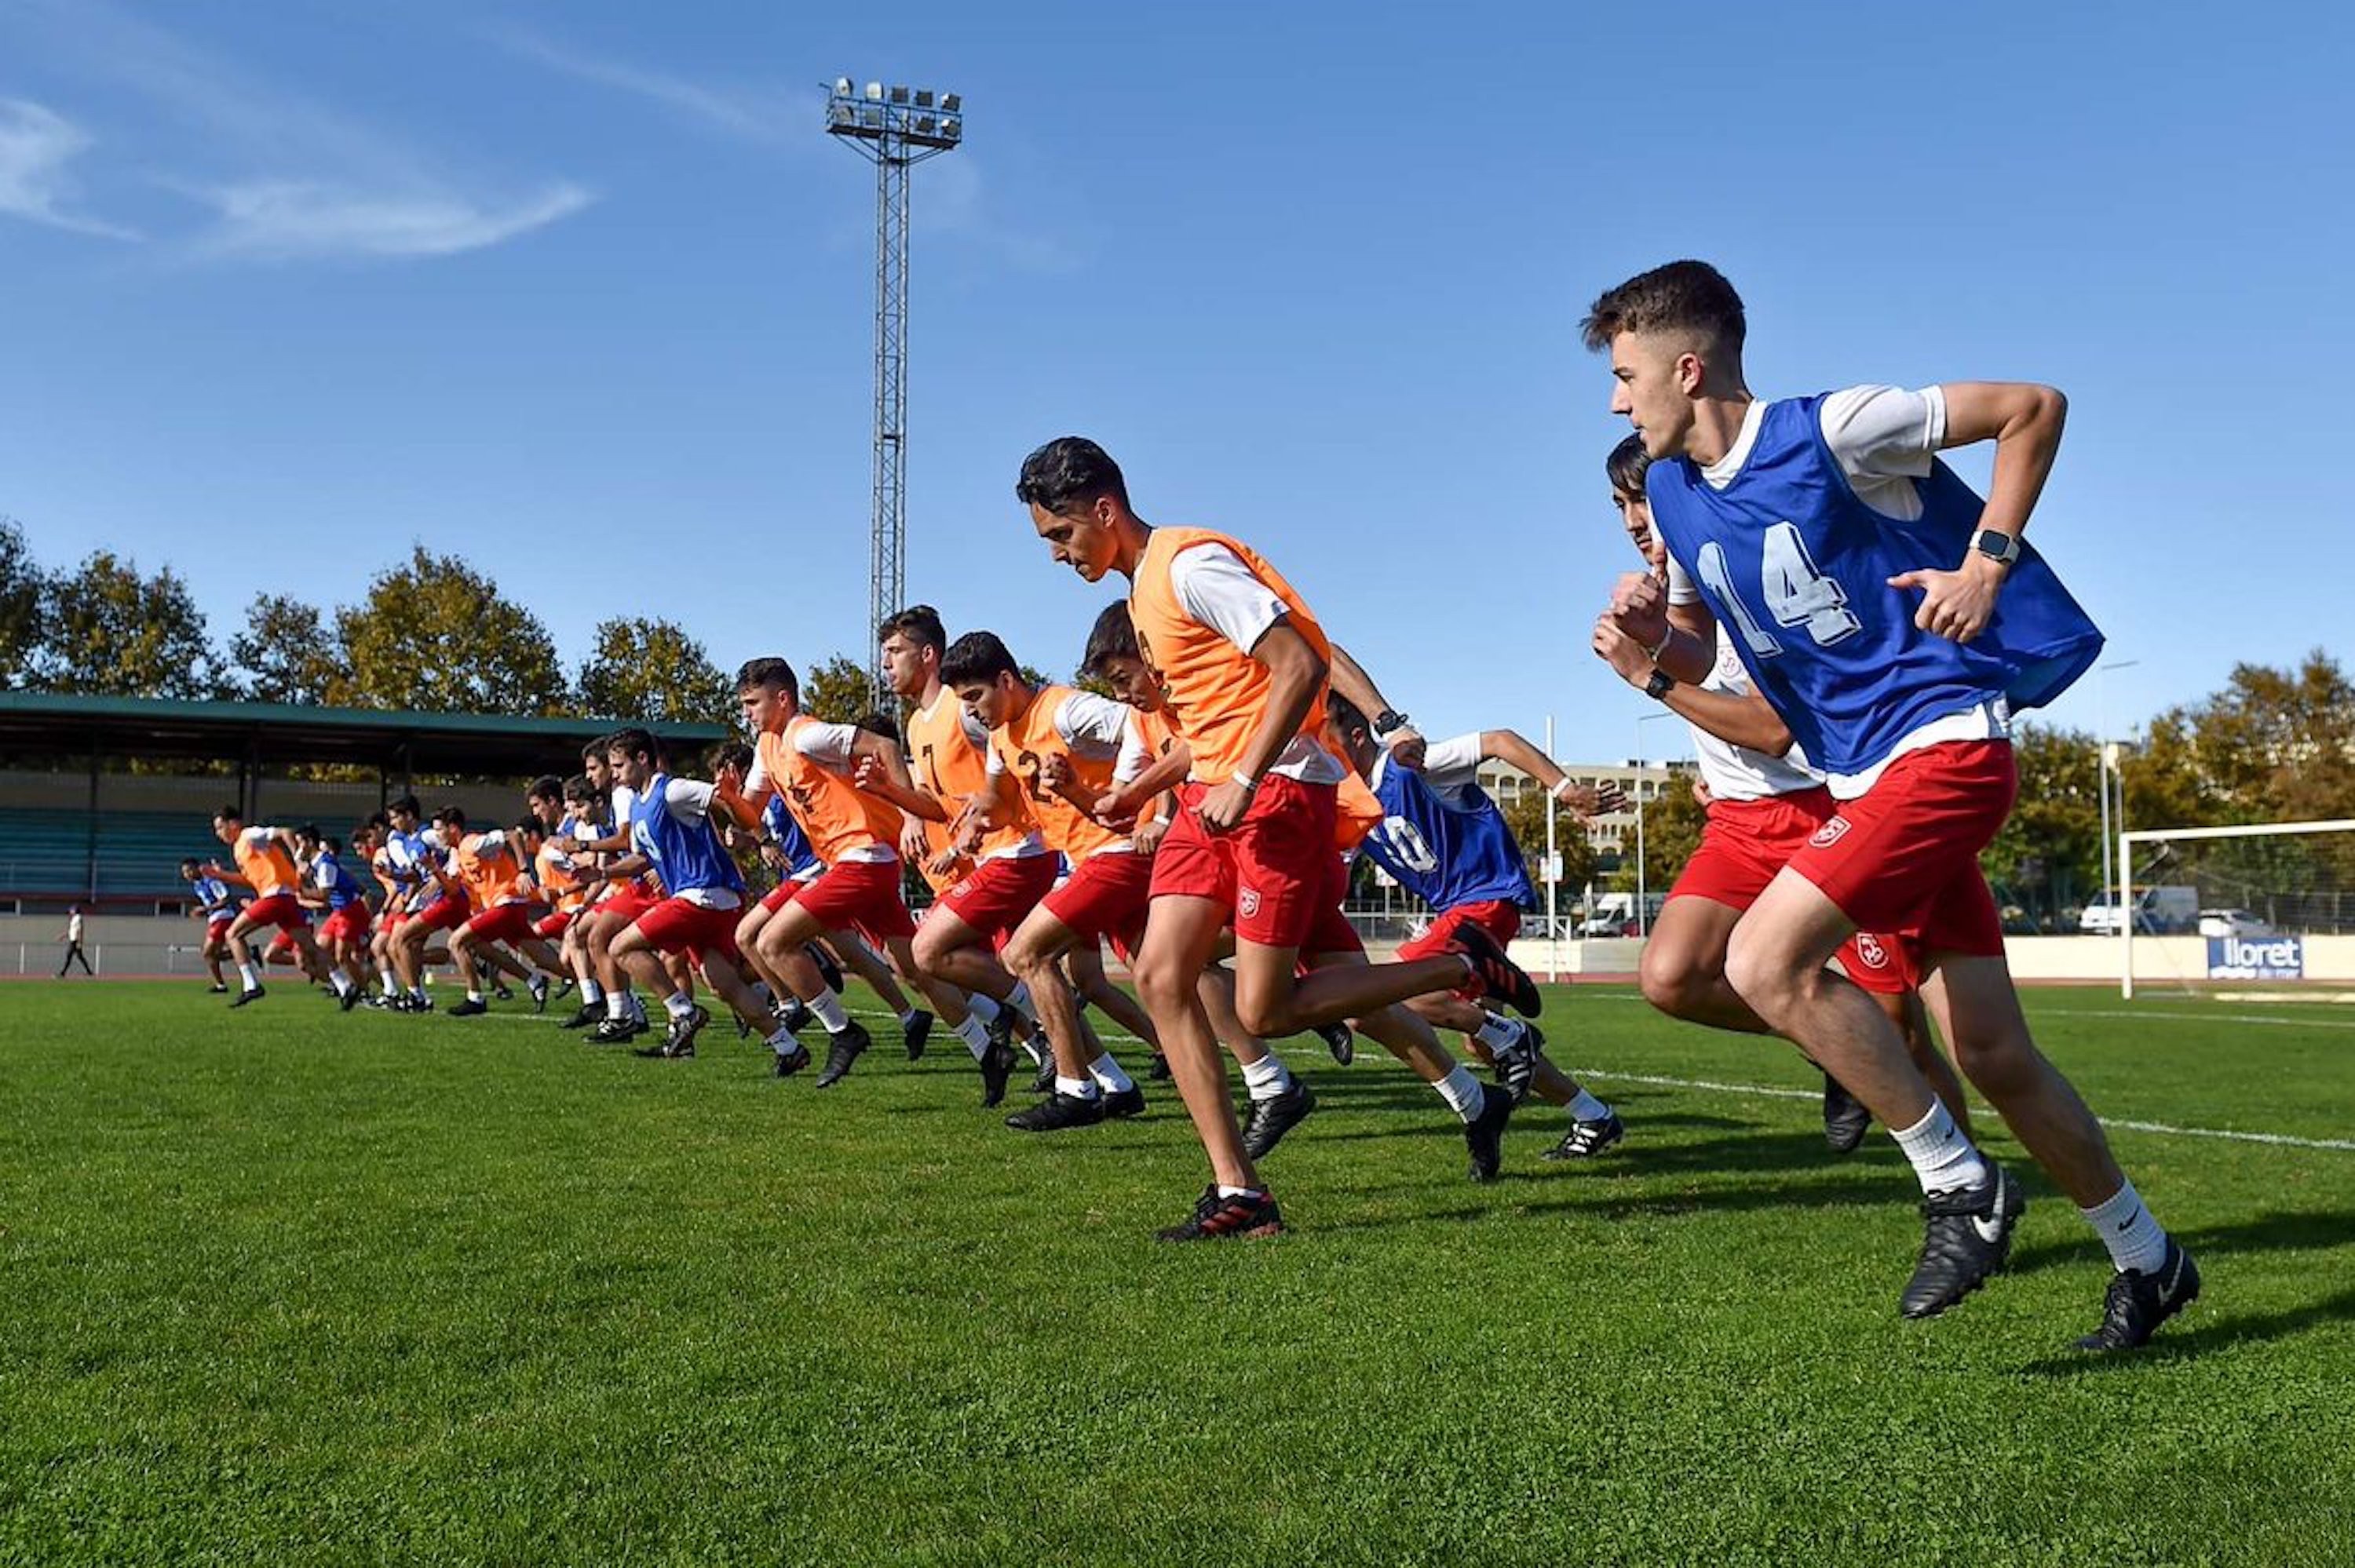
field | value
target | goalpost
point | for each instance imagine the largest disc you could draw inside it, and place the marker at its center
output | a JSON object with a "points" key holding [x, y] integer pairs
{"points": [[2270, 881]]}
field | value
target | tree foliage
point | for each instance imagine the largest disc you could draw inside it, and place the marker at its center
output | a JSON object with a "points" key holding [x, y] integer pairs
{"points": [[435, 633], [1672, 824], [839, 690], [284, 654], [107, 628], [651, 670], [23, 588], [1526, 815]]}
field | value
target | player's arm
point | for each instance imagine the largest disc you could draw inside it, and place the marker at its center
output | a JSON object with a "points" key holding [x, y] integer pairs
{"points": [[221, 873], [882, 769], [1746, 720], [1295, 673], [1511, 745], [1680, 638], [994, 808], [1350, 680], [2024, 420]]}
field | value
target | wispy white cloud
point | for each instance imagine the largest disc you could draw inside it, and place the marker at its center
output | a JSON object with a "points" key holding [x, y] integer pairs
{"points": [[767, 115], [285, 220], [289, 177], [35, 145]]}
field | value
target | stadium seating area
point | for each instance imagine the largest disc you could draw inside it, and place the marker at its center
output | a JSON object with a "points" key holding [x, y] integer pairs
{"points": [[46, 852]]}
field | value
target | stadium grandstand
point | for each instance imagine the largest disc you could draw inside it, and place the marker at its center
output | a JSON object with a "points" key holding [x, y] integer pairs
{"points": [[102, 796]]}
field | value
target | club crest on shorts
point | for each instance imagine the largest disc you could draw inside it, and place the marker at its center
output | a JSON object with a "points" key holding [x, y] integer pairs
{"points": [[1247, 904], [1830, 833], [1867, 949]]}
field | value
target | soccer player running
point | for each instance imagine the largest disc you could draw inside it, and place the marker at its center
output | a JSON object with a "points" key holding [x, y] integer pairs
{"points": [[265, 865], [1036, 733], [1444, 840], [1895, 620], [336, 890], [1762, 806], [1244, 664], [216, 906], [496, 867]]}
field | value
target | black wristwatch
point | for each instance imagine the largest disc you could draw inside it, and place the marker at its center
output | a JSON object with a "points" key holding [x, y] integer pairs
{"points": [[1660, 684], [1386, 721]]}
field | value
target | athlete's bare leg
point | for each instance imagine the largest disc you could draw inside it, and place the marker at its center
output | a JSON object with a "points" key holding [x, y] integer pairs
{"points": [[1180, 935]]}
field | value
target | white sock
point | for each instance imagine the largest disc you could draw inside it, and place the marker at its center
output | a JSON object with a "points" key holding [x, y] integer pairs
{"points": [[1227, 1191], [1943, 1158], [2127, 1229], [828, 1007], [984, 1007], [591, 993], [1033, 1046], [1462, 1092], [678, 1004], [1075, 1088], [252, 981], [636, 1005], [974, 1035], [418, 990], [783, 1041], [907, 1016], [1107, 1072], [473, 995], [392, 986], [1585, 1106], [1500, 1033], [1266, 1077], [617, 1006], [1019, 999]]}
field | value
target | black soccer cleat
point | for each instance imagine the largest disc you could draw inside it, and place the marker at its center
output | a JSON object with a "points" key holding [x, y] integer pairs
{"points": [[255, 994], [1120, 1103], [499, 989], [1585, 1140], [1516, 1065], [827, 969], [1484, 1135], [1246, 1216], [1059, 1111], [1269, 1120], [349, 997], [996, 1062], [841, 1051], [679, 1040], [1846, 1120], [1042, 1082], [1159, 1071], [792, 1061], [1968, 1236], [1495, 974], [2137, 1303], [587, 1013], [794, 1014], [916, 1033], [537, 986], [469, 1007], [1338, 1041], [612, 1031], [217, 989]]}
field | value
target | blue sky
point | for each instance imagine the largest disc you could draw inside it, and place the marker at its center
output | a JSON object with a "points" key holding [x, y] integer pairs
{"points": [[584, 292]]}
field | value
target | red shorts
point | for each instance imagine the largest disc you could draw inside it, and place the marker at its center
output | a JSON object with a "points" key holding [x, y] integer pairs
{"points": [[1106, 898], [444, 915], [629, 901], [1501, 918], [216, 928], [554, 926], [1745, 842], [282, 943], [1904, 857], [504, 922], [674, 926], [777, 897], [282, 910], [1275, 870], [998, 895], [861, 895], [349, 924]]}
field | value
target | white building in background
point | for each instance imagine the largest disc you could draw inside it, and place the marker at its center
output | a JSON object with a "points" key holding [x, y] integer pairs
{"points": [[1611, 834]]}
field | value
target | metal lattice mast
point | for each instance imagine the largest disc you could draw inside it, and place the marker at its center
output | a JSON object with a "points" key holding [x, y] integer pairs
{"points": [[896, 128]]}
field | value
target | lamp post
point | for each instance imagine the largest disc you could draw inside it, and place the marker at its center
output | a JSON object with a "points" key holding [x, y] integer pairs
{"points": [[896, 128], [1643, 892], [2102, 752]]}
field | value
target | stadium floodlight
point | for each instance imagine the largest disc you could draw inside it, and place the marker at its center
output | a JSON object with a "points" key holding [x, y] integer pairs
{"points": [[882, 125]]}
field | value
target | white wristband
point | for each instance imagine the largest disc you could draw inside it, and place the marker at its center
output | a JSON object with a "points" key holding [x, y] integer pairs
{"points": [[1563, 789], [1245, 779]]}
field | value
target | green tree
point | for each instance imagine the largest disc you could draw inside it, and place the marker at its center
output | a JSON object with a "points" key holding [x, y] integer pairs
{"points": [[283, 656], [2276, 745], [435, 633], [2048, 858], [651, 670], [1672, 824], [1526, 815], [23, 588], [106, 628], [839, 690]]}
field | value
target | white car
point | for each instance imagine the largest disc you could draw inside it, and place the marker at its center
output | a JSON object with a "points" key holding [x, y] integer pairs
{"points": [[2231, 923]]}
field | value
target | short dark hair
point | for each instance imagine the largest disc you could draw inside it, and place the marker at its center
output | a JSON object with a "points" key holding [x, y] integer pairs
{"points": [[1113, 636], [770, 672], [379, 820], [1683, 296], [229, 814], [335, 846], [547, 787], [191, 863], [310, 830], [1068, 471], [408, 804], [1627, 464], [594, 748], [879, 724], [918, 622], [731, 754], [577, 788], [451, 816], [634, 742], [977, 656], [1344, 715]]}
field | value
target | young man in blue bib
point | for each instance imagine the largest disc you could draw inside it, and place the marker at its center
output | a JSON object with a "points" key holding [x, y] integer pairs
{"points": [[1895, 622]]}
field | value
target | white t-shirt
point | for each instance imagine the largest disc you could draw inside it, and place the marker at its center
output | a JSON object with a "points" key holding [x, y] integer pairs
{"points": [[1214, 587], [1736, 772], [1450, 767], [74, 928], [1884, 438]]}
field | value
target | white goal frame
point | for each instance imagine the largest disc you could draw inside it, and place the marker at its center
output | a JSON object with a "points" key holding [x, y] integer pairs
{"points": [[2161, 835]]}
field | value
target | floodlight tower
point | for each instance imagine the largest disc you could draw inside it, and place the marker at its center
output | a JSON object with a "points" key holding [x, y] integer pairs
{"points": [[896, 128]]}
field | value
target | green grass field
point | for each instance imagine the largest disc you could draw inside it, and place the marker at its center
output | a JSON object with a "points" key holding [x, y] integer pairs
{"points": [[285, 1286]]}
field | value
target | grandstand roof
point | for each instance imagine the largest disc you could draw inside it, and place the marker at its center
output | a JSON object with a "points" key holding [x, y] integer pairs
{"points": [[49, 725]]}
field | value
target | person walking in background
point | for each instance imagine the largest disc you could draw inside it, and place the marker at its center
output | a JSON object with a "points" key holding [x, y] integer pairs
{"points": [[73, 939]]}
